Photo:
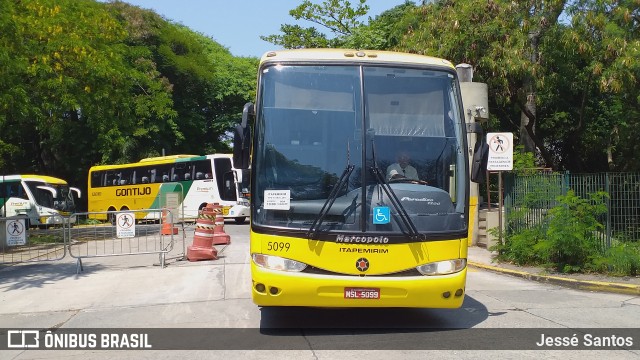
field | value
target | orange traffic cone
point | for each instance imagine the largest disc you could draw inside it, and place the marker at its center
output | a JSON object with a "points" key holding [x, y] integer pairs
{"points": [[219, 236], [167, 226], [202, 247]]}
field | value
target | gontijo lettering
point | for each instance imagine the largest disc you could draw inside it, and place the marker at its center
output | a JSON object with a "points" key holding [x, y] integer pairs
{"points": [[134, 191]]}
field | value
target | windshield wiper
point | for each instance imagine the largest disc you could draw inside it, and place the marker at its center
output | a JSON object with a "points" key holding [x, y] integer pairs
{"points": [[315, 227], [395, 202]]}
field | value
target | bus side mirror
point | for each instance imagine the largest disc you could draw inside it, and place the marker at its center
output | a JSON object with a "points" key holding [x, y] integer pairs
{"points": [[51, 190], [480, 154], [242, 139], [76, 191]]}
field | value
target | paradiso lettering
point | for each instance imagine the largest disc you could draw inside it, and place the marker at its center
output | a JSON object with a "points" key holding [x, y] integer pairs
{"points": [[362, 239], [134, 191]]}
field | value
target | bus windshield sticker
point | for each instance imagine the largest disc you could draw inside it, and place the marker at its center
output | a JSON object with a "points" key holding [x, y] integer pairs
{"points": [[277, 199], [381, 215]]}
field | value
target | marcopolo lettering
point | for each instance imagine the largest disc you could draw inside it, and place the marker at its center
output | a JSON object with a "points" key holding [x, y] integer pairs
{"points": [[134, 191], [362, 239]]}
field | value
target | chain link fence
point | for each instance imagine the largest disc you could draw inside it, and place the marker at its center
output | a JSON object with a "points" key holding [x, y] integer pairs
{"points": [[528, 199]]}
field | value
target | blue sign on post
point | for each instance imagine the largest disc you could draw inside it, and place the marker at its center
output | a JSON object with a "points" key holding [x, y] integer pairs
{"points": [[381, 215]]}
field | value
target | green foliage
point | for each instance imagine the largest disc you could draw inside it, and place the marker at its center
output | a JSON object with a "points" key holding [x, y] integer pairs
{"points": [[524, 162], [84, 82], [621, 259], [342, 22], [571, 241], [567, 238], [43, 238], [518, 248]]}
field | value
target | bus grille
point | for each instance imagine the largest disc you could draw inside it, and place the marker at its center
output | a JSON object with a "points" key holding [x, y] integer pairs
{"points": [[317, 271]]}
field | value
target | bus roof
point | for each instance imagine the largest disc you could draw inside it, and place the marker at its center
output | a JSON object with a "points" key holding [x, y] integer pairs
{"points": [[170, 159], [350, 55], [33, 177]]}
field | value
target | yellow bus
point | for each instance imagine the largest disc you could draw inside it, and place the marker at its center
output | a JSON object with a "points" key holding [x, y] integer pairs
{"points": [[43, 200], [359, 180], [195, 180]]}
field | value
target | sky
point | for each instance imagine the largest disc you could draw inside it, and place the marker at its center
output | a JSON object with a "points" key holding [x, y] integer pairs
{"points": [[238, 24]]}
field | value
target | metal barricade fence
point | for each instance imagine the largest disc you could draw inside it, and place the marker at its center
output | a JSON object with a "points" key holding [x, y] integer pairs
{"points": [[22, 242], [127, 236]]}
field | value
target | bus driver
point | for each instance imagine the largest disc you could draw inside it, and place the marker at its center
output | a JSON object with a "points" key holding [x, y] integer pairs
{"points": [[401, 169]]}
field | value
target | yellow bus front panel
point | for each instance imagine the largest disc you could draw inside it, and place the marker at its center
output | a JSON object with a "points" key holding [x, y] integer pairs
{"points": [[356, 274]]}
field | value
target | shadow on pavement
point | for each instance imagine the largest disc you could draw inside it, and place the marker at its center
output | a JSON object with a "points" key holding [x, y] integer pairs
{"points": [[37, 275], [470, 314]]}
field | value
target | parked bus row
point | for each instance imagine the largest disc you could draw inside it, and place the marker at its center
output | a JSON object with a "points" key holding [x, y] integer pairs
{"points": [[185, 183]]}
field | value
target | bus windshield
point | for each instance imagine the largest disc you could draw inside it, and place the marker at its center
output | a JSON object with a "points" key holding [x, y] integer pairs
{"points": [[360, 148], [60, 199]]}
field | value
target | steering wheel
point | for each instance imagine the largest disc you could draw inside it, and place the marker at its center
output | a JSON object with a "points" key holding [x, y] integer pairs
{"points": [[407, 180]]}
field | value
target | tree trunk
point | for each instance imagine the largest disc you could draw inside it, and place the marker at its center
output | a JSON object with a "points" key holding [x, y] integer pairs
{"points": [[525, 138]]}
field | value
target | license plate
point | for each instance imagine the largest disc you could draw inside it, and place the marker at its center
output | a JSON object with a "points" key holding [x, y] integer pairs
{"points": [[361, 293], [225, 210]]}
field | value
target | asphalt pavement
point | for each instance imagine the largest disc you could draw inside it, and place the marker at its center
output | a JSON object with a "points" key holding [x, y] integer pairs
{"points": [[126, 291], [484, 259]]}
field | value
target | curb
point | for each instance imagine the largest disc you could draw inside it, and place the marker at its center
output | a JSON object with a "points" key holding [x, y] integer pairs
{"points": [[601, 286]]}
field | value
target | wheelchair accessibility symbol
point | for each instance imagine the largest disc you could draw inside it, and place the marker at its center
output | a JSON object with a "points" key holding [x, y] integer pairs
{"points": [[381, 215]]}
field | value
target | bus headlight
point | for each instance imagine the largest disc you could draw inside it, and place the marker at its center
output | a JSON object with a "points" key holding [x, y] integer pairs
{"points": [[277, 263], [442, 267]]}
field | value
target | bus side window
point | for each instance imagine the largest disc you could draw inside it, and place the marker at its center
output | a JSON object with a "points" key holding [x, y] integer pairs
{"points": [[15, 190], [202, 167], [187, 176], [145, 180], [165, 178], [175, 177]]}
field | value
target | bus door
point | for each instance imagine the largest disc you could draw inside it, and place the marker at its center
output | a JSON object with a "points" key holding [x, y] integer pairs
{"points": [[225, 179]]}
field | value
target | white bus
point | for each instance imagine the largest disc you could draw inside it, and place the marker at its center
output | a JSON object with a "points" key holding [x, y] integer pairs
{"points": [[196, 180], [43, 200]]}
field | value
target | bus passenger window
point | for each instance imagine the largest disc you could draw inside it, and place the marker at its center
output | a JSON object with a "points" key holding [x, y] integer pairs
{"points": [[199, 176], [145, 180], [165, 178], [175, 177], [187, 176]]}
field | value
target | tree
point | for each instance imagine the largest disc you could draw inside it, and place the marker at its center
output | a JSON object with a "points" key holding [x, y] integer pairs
{"points": [[336, 16], [13, 97], [209, 86], [605, 36], [82, 93], [501, 39]]}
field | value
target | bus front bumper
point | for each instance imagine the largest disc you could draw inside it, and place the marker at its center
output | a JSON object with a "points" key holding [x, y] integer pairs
{"points": [[238, 211], [278, 288]]}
